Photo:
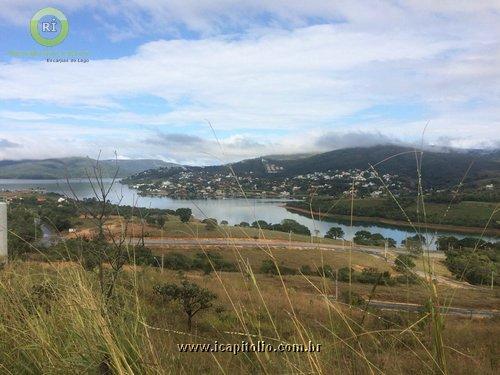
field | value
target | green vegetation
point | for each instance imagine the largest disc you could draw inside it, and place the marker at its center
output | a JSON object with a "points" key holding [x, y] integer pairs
{"points": [[439, 169], [191, 297], [414, 244], [364, 237], [269, 267], [334, 232], [474, 266], [61, 325], [184, 214], [75, 167], [104, 304], [473, 260], [286, 225], [24, 230], [404, 263], [469, 214]]}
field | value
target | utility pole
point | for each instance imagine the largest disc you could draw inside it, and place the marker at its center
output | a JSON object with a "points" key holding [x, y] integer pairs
{"points": [[36, 221], [3, 232]]}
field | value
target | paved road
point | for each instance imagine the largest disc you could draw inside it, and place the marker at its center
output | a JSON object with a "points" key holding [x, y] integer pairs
{"points": [[461, 311]]}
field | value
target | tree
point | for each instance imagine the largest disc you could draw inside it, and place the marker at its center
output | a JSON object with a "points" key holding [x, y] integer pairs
{"points": [[244, 224], [191, 297], [404, 263], [290, 225], [23, 229], [415, 243], [362, 237], [447, 243], [334, 232], [224, 222], [262, 224], [184, 214], [108, 247], [391, 242]]}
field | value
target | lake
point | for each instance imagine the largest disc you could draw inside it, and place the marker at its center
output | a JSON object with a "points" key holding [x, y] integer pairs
{"points": [[232, 210]]}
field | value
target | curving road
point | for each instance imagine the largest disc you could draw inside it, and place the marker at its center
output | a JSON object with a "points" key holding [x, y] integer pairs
{"points": [[412, 307]]}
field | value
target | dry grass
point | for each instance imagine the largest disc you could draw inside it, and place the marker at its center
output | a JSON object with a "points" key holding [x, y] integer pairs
{"points": [[293, 257], [72, 331]]}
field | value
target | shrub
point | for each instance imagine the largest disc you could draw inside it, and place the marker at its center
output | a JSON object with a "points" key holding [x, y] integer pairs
{"points": [[184, 214], [404, 263], [177, 261], [210, 225], [306, 270], [143, 256], [352, 298], [210, 261], [158, 220], [269, 267], [344, 274], [325, 271], [372, 275]]}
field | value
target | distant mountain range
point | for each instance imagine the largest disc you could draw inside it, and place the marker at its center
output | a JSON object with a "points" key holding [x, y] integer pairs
{"points": [[74, 167], [443, 168], [438, 168]]}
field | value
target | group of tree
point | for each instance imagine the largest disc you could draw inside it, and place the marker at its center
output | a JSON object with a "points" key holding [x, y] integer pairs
{"points": [[335, 233], [450, 243], [415, 244], [286, 225], [364, 237], [475, 267], [473, 260]]}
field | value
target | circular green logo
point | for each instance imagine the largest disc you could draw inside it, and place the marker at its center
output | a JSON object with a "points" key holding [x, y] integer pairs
{"points": [[49, 27]]}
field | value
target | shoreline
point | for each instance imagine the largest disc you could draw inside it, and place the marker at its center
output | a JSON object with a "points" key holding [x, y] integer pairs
{"points": [[399, 223]]}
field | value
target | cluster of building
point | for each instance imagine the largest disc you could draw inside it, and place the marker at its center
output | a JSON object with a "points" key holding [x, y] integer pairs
{"points": [[204, 183]]}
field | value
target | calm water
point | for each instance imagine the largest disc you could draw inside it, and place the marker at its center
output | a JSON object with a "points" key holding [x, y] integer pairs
{"points": [[232, 210]]}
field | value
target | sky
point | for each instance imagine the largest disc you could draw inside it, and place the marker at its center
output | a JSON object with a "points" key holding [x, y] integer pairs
{"points": [[214, 81]]}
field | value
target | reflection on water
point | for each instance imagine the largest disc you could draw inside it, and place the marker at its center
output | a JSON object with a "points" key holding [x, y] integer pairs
{"points": [[232, 210]]}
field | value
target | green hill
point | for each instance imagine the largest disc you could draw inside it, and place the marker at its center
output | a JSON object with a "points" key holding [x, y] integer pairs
{"points": [[74, 167], [439, 169]]}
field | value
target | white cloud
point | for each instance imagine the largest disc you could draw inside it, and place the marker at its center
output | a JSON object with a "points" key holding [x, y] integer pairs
{"points": [[306, 76], [282, 74]]}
